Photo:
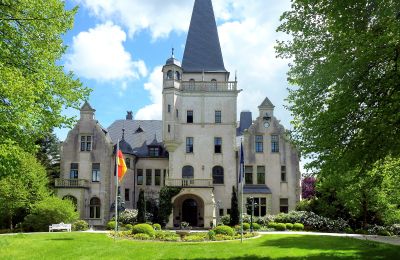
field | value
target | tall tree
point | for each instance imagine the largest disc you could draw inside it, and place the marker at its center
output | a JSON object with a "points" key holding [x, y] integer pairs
{"points": [[48, 155], [33, 88], [234, 216], [345, 62], [141, 206]]}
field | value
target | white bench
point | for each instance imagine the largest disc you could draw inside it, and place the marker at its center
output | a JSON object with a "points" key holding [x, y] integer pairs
{"points": [[60, 226]]}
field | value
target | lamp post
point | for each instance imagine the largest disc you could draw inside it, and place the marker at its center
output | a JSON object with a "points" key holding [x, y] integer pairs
{"points": [[251, 215]]}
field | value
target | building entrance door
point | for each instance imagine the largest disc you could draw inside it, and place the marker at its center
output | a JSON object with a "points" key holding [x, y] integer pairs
{"points": [[189, 212]]}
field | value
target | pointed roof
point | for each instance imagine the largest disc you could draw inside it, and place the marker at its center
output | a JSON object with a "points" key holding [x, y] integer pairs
{"points": [[87, 107], [266, 104], [202, 49]]}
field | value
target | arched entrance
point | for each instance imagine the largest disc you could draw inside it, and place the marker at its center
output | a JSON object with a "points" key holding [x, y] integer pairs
{"points": [[189, 212]]}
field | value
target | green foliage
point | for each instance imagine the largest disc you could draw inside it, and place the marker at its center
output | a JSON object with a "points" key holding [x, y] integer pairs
{"points": [[256, 226], [111, 225], [211, 235], [166, 236], [141, 217], [226, 220], [143, 228], [298, 226], [51, 210], [34, 89], [246, 226], [280, 227], [235, 214], [128, 227], [23, 182], [224, 230], [157, 226], [289, 226], [222, 237], [272, 225], [48, 155], [79, 225], [141, 236], [165, 205], [194, 238]]}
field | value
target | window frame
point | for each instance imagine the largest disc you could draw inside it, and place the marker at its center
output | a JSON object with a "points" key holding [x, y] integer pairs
{"points": [[283, 173], [261, 174], [139, 177], [189, 116], [95, 208], [149, 177], [284, 205], [96, 172], [248, 176], [218, 145], [218, 176], [218, 116], [127, 195], [275, 143], [86, 143], [74, 172], [189, 145], [157, 177], [259, 143]]}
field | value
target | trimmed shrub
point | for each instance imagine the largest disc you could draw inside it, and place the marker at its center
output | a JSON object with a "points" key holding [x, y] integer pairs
{"points": [[143, 229], [256, 226], [141, 236], [111, 225], [298, 226], [128, 216], [280, 227], [80, 225], [348, 230], [272, 225], [194, 238], [157, 226], [51, 210], [289, 226], [224, 230], [246, 226], [211, 235], [361, 232], [128, 226], [166, 236]]}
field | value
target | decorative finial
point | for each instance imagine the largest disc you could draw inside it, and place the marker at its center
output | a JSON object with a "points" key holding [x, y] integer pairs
{"points": [[235, 75], [173, 49], [123, 133]]}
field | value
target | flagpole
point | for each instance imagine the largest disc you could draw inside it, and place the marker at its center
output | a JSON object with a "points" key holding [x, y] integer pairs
{"points": [[241, 172], [116, 189]]}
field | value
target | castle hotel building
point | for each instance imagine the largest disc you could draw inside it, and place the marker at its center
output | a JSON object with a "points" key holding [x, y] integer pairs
{"points": [[195, 145]]}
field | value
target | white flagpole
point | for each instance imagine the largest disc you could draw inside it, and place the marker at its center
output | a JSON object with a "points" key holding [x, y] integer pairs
{"points": [[116, 189], [241, 172]]}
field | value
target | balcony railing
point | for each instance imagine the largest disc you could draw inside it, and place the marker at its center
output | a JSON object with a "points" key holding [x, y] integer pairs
{"points": [[208, 86], [71, 183], [189, 182]]}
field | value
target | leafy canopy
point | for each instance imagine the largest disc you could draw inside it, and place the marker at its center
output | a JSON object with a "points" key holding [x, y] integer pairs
{"points": [[345, 62], [33, 88]]}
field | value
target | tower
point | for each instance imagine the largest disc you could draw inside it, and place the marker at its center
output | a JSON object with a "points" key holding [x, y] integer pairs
{"points": [[199, 123]]}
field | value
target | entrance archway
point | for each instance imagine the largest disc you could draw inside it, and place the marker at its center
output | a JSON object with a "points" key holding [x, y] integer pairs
{"points": [[189, 212]]}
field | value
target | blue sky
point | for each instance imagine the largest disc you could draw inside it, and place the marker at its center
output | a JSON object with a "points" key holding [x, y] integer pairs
{"points": [[117, 48]]}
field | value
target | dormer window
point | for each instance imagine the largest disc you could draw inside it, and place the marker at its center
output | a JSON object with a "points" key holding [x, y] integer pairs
{"points": [[86, 143], [154, 151], [139, 130]]}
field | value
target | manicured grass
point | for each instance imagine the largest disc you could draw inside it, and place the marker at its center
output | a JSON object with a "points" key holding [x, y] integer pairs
{"points": [[100, 246]]}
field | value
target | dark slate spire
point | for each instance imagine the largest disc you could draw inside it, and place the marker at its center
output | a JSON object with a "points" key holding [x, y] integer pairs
{"points": [[202, 50]]}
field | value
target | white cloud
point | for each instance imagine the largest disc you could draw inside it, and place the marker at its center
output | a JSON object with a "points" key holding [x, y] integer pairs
{"points": [[154, 86], [99, 54]]}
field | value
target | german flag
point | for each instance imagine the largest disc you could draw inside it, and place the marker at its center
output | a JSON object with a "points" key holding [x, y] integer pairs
{"points": [[121, 166]]}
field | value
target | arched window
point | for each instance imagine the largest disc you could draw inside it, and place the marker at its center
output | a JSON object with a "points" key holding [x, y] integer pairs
{"points": [[94, 207], [72, 199], [177, 75], [187, 172], [191, 83], [170, 74], [218, 175]]}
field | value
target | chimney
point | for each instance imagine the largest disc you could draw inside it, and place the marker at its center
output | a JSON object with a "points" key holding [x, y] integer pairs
{"points": [[129, 115]]}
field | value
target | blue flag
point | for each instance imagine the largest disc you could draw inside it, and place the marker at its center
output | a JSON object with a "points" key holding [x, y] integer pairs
{"points": [[241, 164]]}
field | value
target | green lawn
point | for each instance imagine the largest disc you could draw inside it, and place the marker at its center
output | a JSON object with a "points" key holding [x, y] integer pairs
{"points": [[77, 245]]}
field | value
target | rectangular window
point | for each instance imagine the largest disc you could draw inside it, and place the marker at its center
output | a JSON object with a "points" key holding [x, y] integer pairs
{"points": [[148, 177], [86, 143], [259, 144], [73, 173], [221, 212], [128, 163], [218, 117], [126, 194], [284, 205], [259, 207], [154, 151], [189, 116], [228, 211], [189, 144], [248, 171], [169, 129], [217, 144], [177, 113], [169, 108], [275, 143], [139, 176], [157, 177], [283, 173], [95, 172], [260, 174], [164, 176]]}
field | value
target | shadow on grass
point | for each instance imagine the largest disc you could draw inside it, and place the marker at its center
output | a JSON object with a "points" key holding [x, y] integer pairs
{"points": [[61, 238]]}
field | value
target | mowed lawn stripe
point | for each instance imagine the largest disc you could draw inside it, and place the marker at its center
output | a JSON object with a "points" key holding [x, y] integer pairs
{"points": [[78, 245]]}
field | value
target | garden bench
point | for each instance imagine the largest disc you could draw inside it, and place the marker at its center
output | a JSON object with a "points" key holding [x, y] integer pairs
{"points": [[60, 226]]}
